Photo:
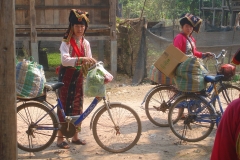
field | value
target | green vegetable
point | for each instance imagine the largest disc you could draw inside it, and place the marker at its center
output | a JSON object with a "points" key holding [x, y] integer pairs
{"points": [[94, 86]]}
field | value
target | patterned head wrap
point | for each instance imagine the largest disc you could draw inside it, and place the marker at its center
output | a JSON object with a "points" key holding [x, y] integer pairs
{"points": [[76, 16], [192, 20]]}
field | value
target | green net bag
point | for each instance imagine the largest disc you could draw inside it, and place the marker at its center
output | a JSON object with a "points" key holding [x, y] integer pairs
{"points": [[190, 75]]}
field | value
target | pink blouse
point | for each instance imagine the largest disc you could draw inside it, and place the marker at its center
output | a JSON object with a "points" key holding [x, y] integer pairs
{"points": [[181, 42]]}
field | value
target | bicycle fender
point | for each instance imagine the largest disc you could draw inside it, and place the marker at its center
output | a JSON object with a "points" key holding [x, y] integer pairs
{"points": [[100, 108], [152, 89]]}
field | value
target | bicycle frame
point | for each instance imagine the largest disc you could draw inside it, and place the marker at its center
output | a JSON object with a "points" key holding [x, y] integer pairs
{"points": [[79, 119], [200, 118], [84, 114]]}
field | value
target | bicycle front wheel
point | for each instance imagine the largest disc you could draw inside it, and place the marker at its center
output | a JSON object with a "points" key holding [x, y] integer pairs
{"points": [[119, 137], [227, 94], [197, 120], [157, 105], [36, 127]]}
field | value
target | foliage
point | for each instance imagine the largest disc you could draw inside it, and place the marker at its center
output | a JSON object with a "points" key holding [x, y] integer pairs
{"points": [[156, 10], [54, 59]]}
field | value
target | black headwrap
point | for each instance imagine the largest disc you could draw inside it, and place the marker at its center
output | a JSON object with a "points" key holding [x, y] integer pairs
{"points": [[76, 16], [192, 20]]}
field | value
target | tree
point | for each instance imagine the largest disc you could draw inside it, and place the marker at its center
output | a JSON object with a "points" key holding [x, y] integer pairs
{"points": [[156, 10], [8, 147]]}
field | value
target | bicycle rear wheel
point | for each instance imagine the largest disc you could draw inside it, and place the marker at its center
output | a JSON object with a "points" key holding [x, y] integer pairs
{"points": [[157, 106], [36, 127], [197, 120], [121, 137]]}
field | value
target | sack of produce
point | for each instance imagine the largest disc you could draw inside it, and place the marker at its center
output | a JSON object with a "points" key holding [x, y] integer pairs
{"points": [[30, 79], [190, 75], [96, 79]]}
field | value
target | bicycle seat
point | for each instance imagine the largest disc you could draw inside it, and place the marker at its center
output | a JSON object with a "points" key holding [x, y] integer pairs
{"points": [[54, 86], [213, 78]]}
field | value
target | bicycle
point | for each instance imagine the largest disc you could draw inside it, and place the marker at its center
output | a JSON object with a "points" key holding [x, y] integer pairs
{"points": [[116, 127], [198, 112], [159, 99]]}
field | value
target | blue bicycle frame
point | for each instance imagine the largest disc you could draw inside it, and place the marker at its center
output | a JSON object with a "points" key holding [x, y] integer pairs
{"points": [[200, 117], [79, 118]]}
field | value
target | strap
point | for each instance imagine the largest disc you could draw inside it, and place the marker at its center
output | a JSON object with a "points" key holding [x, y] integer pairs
{"points": [[189, 42], [75, 48]]}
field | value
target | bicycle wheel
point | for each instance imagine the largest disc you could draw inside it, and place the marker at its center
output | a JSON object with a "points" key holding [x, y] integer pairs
{"points": [[227, 95], [36, 127], [197, 120], [121, 137], [157, 106]]}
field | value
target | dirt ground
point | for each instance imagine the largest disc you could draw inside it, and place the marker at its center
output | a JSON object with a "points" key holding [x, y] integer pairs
{"points": [[156, 143]]}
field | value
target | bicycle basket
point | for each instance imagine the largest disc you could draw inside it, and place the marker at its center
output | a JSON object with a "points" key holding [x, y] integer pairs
{"points": [[228, 71]]}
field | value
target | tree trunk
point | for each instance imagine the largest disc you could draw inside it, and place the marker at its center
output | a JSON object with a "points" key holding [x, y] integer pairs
{"points": [[237, 19], [8, 136]]}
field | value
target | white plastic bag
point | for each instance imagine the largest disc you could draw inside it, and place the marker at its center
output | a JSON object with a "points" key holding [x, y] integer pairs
{"points": [[96, 80]]}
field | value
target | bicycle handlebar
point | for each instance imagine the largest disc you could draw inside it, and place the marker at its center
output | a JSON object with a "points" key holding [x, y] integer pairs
{"points": [[217, 58]]}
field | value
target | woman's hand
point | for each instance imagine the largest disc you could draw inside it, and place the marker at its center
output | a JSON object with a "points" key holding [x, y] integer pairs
{"points": [[207, 54], [87, 62]]}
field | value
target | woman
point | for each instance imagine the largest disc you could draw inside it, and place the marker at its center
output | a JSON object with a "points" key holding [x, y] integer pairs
{"points": [[75, 54], [227, 141], [184, 40]]}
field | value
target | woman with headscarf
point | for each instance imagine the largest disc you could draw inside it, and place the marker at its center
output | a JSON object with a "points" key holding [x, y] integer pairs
{"points": [[184, 40], [189, 75], [75, 55]]}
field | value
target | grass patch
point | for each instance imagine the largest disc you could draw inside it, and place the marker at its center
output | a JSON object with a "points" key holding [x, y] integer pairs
{"points": [[54, 59]]}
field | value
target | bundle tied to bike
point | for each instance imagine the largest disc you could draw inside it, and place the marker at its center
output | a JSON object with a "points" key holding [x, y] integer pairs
{"points": [[158, 77], [30, 79], [96, 79], [189, 75]]}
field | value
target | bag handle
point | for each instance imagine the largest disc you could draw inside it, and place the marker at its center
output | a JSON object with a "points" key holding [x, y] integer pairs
{"points": [[188, 41]]}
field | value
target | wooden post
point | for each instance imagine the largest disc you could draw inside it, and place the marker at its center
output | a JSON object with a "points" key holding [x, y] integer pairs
{"points": [[33, 34], [8, 128], [214, 12], [200, 8], [112, 19], [101, 50], [26, 49], [237, 19], [223, 13]]}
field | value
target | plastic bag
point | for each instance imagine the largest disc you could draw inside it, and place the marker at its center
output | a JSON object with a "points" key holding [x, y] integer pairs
{"points": [[96, 80], [30, 79]]}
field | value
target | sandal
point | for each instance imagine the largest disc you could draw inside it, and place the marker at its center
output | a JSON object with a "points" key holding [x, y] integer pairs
{"points": [[79, 142], [63, 145]]}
